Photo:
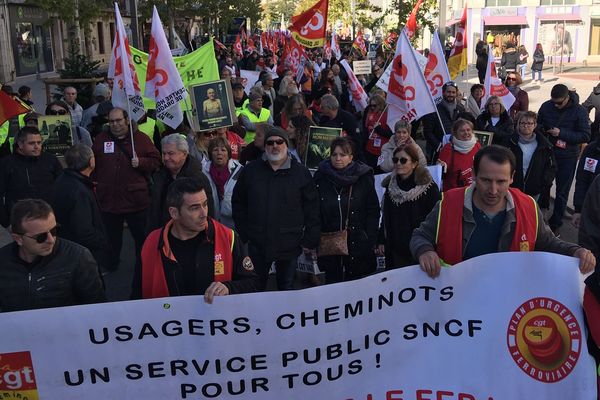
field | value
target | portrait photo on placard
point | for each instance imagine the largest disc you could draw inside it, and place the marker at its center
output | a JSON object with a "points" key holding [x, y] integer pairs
{"points": [[213, 105], [56, 133]]}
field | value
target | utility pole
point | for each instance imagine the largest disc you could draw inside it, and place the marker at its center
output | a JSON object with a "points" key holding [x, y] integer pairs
{"points": [[442, 22], [135, 35]]}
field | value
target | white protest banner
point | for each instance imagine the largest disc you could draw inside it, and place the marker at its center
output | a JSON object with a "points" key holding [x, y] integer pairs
{"points": [[493, 86], [361, 67], [126, 92], [421, 60], [357, 94], [163, 82], [503, 326], [249, 78], [436, 71], [384, 79], [335, 46]]}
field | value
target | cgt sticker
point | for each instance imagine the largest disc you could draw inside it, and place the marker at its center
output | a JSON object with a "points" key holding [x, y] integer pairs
{"points": [[17, 380], [544, 339]]}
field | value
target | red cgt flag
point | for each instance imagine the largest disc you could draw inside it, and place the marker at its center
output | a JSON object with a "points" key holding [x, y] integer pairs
{"points": [[411, 24], [309, 28], [10, 108]]}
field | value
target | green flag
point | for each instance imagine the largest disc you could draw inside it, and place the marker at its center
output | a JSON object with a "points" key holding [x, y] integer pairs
{"points": [[196, 67]]}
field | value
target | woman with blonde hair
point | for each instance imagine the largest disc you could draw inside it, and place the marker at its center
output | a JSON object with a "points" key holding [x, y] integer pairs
{"points": [[401, 137], [495, 118]]}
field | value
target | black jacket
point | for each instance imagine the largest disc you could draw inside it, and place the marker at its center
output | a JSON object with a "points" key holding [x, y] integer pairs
{"points": [[542, 167], [510, 59], [503, 130], [587, 169], [433, 131], [573, 122], [349, 126], [158, 215], [67, 277], [77, 211], [277, 211], [23, 177], [364, 214]]}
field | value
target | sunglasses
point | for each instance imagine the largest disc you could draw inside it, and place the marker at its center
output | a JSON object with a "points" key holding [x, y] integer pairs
{"points": [[559, 102], [57, 112], [511, 79], [210, 134], [278, 142], [451, 83], [403, 160], [41, 237]]}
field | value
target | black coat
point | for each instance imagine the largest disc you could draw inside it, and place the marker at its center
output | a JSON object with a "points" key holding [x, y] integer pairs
{"points": [[77, 211], [67, 277], [362, 224], [158, 214], [538, 60], [399, 221], [277, 211], [503, 130], [510, 59], [24, 177], [587, 169], [542, 167], [433, 131]]}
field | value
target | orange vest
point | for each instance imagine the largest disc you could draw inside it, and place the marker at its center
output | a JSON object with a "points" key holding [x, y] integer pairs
{"points": [[154, 283], [450, 218]]}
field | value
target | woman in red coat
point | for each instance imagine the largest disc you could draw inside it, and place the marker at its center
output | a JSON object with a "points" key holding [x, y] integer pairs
{"points": [[457, 156], [512, 82]]}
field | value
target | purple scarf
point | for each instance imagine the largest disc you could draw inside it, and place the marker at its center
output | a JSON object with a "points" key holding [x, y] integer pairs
{"points": [[220, 176]]}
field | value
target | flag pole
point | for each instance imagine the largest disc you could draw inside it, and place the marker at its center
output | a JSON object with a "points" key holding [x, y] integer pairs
{"points": [[379, 119], [130, 125]]}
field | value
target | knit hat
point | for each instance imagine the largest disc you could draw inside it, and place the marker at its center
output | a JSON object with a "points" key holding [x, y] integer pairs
{"points": [[276, 131], [102, 90]]}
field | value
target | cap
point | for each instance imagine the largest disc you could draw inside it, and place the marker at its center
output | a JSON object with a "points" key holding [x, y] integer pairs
{"points": [[102, 90], [276, 131], [236, 86]]}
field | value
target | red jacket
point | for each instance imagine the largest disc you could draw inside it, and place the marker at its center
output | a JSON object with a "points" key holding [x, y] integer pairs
{"points": [[121, 188], [459, 172]]}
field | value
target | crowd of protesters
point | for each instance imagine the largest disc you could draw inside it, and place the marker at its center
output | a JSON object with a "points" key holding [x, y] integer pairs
{"points": [[214, 212]]}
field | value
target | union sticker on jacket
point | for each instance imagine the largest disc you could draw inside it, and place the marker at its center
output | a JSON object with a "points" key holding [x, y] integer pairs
{"points": [[590, 164], [219, 267], [109, 147]]}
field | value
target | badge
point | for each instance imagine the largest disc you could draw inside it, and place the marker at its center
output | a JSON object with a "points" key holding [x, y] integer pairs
{"points": [[590, 164], [109, 147], [377, 142], [247, 264], [219, 268], [561, 144]]}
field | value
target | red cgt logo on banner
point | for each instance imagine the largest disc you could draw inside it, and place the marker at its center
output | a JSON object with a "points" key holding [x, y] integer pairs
{"points": [[17, 379]]}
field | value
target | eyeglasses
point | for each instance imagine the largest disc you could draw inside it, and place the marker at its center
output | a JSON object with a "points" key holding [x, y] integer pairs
{"points": [[403, 160], [278, 142], [559, 102], [42, 237], [527, 123], [511, 79], [57, 112]]}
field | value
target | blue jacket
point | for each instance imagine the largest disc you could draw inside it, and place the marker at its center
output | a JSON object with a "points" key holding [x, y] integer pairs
{"points": [[573, 123]]}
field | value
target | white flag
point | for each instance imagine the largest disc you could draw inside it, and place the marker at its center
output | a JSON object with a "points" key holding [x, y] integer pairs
{"points": [[335, 47], [493, 85], [126, 89], [163, 82], [407, 89], [436, 71], [357, 93], [249, 78]]}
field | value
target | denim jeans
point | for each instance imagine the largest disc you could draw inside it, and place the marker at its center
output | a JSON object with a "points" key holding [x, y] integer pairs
{"points": [[539, 74], [285, 269], [565, 172], [522, 68]]}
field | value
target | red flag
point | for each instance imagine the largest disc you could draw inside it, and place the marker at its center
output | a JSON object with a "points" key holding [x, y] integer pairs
{"points": [[390, 41], [411, 24], [237, 46], [10, 108], [219, 44], [309, 27], [250, 44], [359, 44], [457, 61]]}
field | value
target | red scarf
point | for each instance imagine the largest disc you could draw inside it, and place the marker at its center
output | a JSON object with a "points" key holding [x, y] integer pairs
{"points": [[220, 176]]}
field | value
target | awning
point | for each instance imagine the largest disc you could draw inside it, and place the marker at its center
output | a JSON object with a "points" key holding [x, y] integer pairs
{"points": [[559, 17], [505, 20]]}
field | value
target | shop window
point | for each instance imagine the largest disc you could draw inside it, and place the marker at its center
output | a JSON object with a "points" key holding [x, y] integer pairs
{"points": [[503, 3], [557, 2], [101, 38], [112, 33]]}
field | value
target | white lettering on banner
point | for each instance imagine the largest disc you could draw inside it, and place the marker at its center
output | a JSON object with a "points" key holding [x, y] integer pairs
{"points": [[495, 327]]}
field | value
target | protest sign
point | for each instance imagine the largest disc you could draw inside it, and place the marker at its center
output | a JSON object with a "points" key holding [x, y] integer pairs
{"points": [[319, 140], [484, 137], [476, 332], [56, 133], [361, 67], [213, 105]]}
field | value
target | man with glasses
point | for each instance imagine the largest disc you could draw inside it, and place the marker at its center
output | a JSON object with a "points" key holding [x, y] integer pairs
{"points": [[28, 173], [567, 126], [276, 210], [449, 110], [39, 270], [122, 175]]}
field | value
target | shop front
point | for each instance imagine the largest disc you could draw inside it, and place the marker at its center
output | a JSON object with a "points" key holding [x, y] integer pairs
{"points": [[559, 30], [31, 40]]}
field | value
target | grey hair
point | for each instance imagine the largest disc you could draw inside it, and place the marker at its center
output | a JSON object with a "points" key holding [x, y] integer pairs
{"points": [[330, 102], [178, 139], [401, 124], [78, 157]]}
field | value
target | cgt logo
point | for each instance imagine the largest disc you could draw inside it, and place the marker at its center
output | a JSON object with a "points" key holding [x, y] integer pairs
{"points": [[17, 379], [544, 339]]}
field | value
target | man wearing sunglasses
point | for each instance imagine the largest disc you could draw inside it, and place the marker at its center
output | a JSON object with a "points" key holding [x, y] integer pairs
{"points": [[276, 210], [566, 124], [28, 173], [39, 270]]}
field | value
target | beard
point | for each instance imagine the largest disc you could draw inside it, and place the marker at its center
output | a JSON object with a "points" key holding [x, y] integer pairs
{"points": [[276, 157]]}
